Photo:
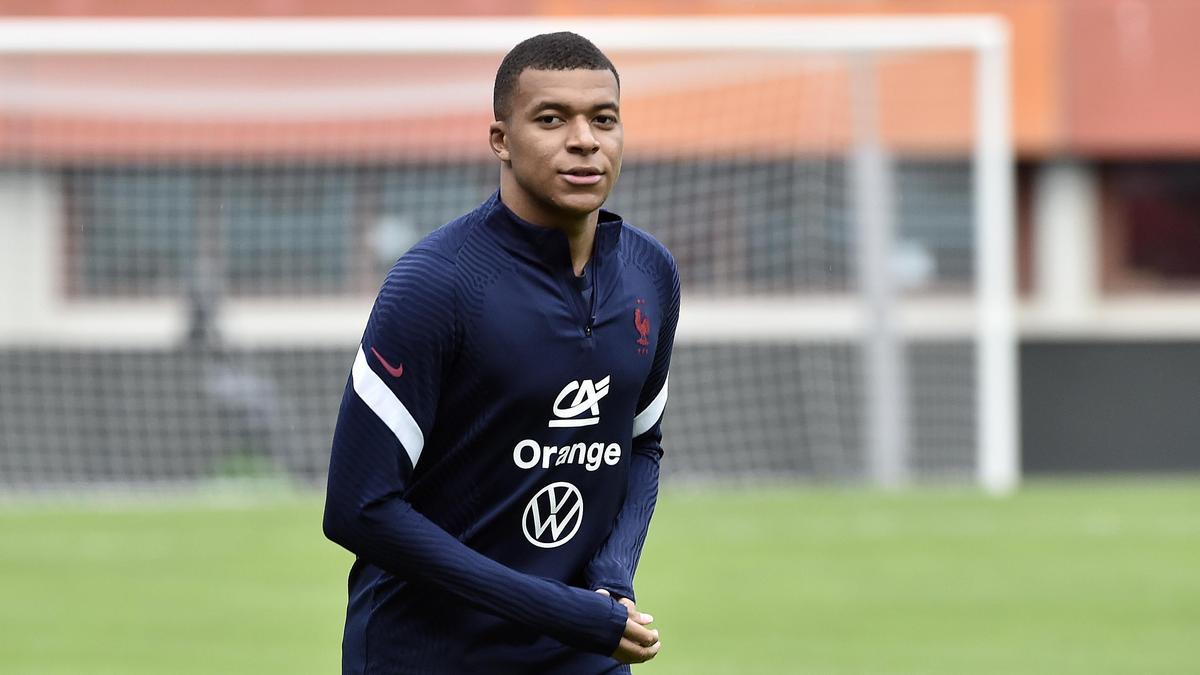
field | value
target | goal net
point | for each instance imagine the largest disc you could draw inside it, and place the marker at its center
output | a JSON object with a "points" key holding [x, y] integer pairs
{"points": [[195, 217]]}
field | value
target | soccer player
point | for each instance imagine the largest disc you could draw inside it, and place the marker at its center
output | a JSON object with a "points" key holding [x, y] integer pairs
{"points": [[496, 458]]}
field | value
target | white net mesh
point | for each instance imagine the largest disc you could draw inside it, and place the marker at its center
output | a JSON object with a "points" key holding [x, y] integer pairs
{"points": [[192, 244]]}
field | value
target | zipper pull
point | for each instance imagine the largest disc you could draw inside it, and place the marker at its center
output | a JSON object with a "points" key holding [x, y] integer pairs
{"points": [[591, 322]]}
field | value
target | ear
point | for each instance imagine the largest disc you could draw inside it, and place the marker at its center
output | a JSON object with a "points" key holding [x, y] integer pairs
{"points": [[498, 138]]}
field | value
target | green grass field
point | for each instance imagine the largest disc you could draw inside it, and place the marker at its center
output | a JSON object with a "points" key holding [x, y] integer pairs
{"points": [[1088, 577]]}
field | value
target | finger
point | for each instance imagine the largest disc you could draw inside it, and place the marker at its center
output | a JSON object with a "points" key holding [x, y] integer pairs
{"points": [[631, 610], [603, 592], [639, 634], [633, 653], [628, 652], [640, 617], [625, 652], [653, 650]]}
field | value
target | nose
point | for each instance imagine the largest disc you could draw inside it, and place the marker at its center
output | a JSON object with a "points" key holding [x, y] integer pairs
{"points": [[580, 139]]}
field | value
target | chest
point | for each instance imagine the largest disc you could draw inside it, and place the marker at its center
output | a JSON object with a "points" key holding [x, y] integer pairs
{"points": [[531, 338]]}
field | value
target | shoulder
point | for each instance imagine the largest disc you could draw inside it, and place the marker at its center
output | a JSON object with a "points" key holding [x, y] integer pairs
{"points": [[416, 302], [439, 254], [448, 241], [430, 270], [642, 249]]}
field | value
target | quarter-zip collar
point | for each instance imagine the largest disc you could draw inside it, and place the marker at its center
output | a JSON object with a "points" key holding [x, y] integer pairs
{"points": [[548, 246]]}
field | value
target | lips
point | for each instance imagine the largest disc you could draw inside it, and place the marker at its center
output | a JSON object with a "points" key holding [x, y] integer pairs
{"points": [[583, 171], [582, 175]]}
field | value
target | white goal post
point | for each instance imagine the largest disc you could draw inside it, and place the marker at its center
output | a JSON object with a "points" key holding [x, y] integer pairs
{"points": [[876, 313]]}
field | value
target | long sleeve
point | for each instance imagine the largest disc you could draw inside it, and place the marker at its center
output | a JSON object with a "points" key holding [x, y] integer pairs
{"points": [[387, 411], [614, 565]]}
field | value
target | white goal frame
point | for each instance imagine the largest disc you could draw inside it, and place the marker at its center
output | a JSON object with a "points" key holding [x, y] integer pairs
{"points": [[993, 322]]}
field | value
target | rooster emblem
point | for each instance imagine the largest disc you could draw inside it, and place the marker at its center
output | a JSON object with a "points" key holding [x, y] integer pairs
{"points": [[642, 323]]}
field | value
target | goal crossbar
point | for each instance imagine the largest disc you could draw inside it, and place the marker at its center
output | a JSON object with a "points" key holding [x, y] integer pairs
{"points": [[492, 34]]}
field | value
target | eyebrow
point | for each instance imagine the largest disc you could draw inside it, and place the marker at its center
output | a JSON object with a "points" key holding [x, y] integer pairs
{"points": [[557, 105]]}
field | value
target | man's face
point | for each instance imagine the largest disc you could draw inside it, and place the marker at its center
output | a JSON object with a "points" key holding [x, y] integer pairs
{"points": [[563, 140]]}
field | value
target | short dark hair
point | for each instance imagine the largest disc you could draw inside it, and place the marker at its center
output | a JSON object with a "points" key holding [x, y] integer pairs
{"points": [[549, 51]]}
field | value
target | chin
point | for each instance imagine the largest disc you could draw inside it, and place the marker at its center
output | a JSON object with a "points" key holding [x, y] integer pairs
{"points": [[581, 203]]}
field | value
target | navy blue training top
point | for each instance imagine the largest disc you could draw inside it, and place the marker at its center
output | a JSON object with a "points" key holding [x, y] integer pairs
{"points": [[497, 449]]}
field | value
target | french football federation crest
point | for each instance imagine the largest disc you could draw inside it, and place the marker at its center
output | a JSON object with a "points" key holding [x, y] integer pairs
{"points": [[641, 321]]}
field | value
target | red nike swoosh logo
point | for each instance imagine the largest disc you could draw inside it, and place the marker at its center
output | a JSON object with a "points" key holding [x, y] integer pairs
{"points": [[392, 370]]}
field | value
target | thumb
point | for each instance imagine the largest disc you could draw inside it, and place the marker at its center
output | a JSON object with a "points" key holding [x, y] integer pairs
{"points": [[634, 613], [604, 592]]}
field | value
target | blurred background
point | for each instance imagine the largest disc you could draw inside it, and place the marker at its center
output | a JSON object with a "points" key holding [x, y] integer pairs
{"points": [[936, 390]]}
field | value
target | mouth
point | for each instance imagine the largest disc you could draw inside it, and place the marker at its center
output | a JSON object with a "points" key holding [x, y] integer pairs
{"points": [[582, 175]]}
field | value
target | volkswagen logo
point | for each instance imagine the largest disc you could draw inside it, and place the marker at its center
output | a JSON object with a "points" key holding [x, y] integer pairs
{"points": [[553, 516]]}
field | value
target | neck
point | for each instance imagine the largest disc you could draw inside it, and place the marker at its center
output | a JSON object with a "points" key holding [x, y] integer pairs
{"points": [[580, 230], [581, 237]]}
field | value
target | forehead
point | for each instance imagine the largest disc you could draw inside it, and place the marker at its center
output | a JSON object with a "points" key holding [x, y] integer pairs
{"points": [[578, 88]]}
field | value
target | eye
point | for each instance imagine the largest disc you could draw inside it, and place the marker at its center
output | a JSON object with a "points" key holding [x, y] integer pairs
{"points": [[606, 120], [548, 120]]}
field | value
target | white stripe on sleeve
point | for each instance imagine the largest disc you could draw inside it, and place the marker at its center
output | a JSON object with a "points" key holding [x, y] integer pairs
{"points": [[372, 390], [653, 412]]}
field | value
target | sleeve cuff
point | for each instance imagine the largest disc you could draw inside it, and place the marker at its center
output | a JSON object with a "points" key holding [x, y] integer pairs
{"points": [[617, 590], [618, 616]]}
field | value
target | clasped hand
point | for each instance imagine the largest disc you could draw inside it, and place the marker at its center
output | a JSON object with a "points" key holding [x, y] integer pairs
{"points": [[639, 643]]}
